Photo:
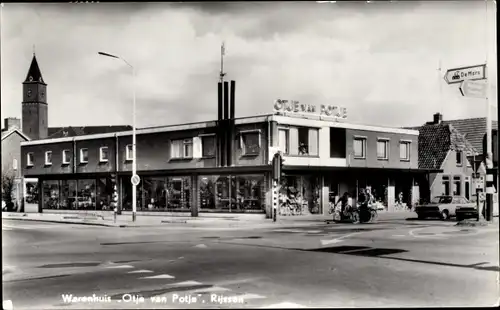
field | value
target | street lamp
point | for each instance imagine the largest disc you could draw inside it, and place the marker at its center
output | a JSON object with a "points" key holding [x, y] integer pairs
{"points": [[134, 157]]}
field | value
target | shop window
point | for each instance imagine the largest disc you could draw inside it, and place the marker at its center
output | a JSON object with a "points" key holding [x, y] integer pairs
{"points": [[208, 146], [300, 195], [104, 192], [84, 156], [29, 159], [283, 140], [103, 154], [50, 194], [446, 185], [32, 195], [86, 195], [68, 195], [459, 158], [307, 141], [404, 150], [65, 157], [359, 147], [128, 152], [178, 193], [457, 184], [154, 193], [239, 193], [250, 142], [182, 148], [48, 158], [383, 149]]}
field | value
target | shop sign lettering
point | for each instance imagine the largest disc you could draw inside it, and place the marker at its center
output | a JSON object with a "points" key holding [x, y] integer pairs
{"points": [[294, 106]]}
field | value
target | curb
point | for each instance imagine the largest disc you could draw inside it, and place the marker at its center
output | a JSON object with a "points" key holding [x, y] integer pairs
{"points": [[67, 222]]}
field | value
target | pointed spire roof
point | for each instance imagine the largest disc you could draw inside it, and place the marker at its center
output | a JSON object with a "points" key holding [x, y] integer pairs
{"points": [[34, 73]]}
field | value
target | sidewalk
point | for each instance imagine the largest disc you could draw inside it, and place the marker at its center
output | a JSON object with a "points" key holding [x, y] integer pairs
{"points": [[207, 220]]}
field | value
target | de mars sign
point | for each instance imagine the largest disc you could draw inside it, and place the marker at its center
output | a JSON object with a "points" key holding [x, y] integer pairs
{"points": [[459, 75]]}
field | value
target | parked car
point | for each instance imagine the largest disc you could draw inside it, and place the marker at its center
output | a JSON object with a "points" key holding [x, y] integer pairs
{"points": [[443, 207]]}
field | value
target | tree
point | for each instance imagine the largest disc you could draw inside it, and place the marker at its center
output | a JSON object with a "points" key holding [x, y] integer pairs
{"points": [[8, 184]]}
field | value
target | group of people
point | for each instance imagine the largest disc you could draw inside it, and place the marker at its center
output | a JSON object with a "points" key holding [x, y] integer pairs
{"points": [[365, 199]]}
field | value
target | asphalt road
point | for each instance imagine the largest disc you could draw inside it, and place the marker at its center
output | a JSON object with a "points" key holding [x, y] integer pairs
{"points": [[385, 264]]}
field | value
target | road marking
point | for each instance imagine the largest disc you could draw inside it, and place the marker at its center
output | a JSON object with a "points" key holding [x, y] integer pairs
{"points": [[284, 305], [186, 283], [140, 271], [202, 246], [398, 235], [211, 290], [160, 276], [337, 240], [120, 267], [250, 296], [7, 305], [313, 231]]}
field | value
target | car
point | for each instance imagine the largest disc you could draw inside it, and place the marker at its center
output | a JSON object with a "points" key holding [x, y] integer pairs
{"points": [[470, 211], [443, 207]]}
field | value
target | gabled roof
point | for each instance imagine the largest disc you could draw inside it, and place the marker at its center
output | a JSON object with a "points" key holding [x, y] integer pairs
{"points": [[473, 129], [7, 133], [61, 132], [436, 140], [34, 72]]}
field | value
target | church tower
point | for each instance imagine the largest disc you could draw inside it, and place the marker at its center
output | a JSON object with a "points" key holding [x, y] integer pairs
{"points": [[35, 108]]}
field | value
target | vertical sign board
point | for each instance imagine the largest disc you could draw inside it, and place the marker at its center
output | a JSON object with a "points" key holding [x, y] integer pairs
{"points": [[459, 75]]}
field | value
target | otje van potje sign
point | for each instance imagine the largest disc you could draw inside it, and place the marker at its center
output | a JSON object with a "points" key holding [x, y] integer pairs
{"points": [[295, 107]]}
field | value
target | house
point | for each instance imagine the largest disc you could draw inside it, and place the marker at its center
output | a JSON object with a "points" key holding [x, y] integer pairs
{"points": [[11, 153], [452, 147]]}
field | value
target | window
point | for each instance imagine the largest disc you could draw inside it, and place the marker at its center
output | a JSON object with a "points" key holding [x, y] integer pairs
{"points": [[182, 148], [404, 150], [48, 158], [208, 146], [128, 152], [84, 155], [360, 147], [103, 154], [250, 142], [457, 185], [14, 164], [459, 158], [383, 149], [29, 159], [308, 141], [65, 157], [283, 139]]}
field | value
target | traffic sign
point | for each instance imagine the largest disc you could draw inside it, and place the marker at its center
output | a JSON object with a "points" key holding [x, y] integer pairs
{"points": [[135, 180], [458, 75], [474, 89]]}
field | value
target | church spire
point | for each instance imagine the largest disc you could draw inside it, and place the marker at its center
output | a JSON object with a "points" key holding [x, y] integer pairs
{"points": [[34, 73]]}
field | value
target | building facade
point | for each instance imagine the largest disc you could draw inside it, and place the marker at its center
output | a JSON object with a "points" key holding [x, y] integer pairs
{"points": [[180, 167]]}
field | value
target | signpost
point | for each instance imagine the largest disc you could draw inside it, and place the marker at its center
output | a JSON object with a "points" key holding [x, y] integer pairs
{"points": [[459, 75], [474, 89], [135, 179]]}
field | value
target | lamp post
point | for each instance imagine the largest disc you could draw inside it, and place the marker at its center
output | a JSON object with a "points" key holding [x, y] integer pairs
{"points": [[134, 157]]}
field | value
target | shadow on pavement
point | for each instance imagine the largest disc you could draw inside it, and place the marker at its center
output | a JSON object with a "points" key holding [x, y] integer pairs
{"points": [[379, 252], [70, 265]]}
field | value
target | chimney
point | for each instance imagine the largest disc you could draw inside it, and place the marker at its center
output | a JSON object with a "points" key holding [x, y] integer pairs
{"points": [[438, 118], [12, 122]]}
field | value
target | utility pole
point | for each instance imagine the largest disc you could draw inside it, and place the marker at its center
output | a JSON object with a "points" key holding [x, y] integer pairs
{"points": [[489, 154]]}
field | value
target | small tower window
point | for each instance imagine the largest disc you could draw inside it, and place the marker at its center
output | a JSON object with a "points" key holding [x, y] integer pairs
{"points": [[31, 79]]}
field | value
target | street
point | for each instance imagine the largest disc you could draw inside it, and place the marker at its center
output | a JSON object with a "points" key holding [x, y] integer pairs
{"points": [[396, 263]]}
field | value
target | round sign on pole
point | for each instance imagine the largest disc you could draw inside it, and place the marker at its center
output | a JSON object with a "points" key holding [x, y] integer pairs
{"points": [[135, 180]]}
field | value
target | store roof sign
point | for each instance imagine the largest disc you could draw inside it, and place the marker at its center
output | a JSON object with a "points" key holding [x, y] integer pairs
{"points": [[295, 107]]}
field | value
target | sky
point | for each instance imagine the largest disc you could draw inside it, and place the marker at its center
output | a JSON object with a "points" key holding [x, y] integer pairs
{"points": [[379, 60]]}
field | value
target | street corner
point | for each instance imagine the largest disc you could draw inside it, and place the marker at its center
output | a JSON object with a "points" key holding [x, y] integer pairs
{"points": [[443, 232]]}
